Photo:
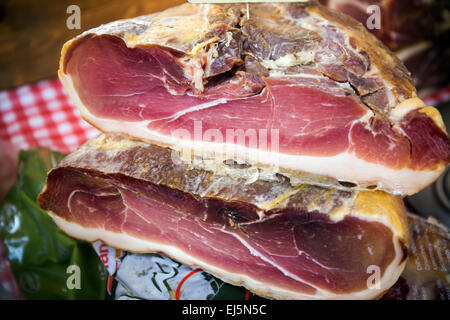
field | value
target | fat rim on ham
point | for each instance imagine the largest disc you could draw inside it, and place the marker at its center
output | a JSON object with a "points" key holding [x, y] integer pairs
{"points": [[339, 108]]}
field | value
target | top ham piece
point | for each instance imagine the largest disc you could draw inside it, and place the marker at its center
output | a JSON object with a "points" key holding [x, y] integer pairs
{"points": [[298, 90]]}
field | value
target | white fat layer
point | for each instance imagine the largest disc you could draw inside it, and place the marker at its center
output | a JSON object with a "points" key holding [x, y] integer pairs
{"points": [[289, 60], [130, 243], [399, 182], [202, 106]]}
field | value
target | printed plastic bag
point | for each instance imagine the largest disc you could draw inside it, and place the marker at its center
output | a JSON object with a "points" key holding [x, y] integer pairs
{"points": [[157, 277]]}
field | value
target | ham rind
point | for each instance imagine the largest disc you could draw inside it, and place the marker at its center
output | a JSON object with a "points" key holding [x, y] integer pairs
{"points": [[298, 90], [277, 240]]}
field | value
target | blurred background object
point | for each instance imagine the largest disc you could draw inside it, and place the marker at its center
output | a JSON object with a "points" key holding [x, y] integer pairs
{"points": [[8, 286], [403, 22], [427, 272], [33, 32], [418, 31], [8, 166]]}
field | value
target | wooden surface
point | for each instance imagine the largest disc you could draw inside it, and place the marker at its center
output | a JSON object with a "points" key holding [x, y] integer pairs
{"points": [[32, 32]]}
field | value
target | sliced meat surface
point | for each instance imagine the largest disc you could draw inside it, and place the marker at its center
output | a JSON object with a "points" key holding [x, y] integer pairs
{"points": [[297, 88], [277, 240]]}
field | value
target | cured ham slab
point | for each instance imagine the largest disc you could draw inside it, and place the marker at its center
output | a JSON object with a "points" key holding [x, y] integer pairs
{"points": [[298, 88], [277, 240]]}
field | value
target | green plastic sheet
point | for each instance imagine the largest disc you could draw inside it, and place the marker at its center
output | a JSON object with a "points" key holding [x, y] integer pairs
{"points": [[46, 263]]}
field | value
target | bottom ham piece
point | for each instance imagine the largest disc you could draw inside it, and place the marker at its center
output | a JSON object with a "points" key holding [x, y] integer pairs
{"points": [[279, 241]]}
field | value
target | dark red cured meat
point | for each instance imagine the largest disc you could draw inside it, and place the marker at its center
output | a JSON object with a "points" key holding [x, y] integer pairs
{"points": [[428, 142], [380, 133], [318, 109], [322, 87], [268, 111], [133, 77], [293, 248]]}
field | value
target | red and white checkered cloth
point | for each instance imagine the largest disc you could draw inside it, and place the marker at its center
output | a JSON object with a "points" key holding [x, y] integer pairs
{"points": [[42, 115]]}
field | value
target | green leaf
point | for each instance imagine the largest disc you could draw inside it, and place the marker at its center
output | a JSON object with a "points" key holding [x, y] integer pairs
{"points": [[38, 251]]}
